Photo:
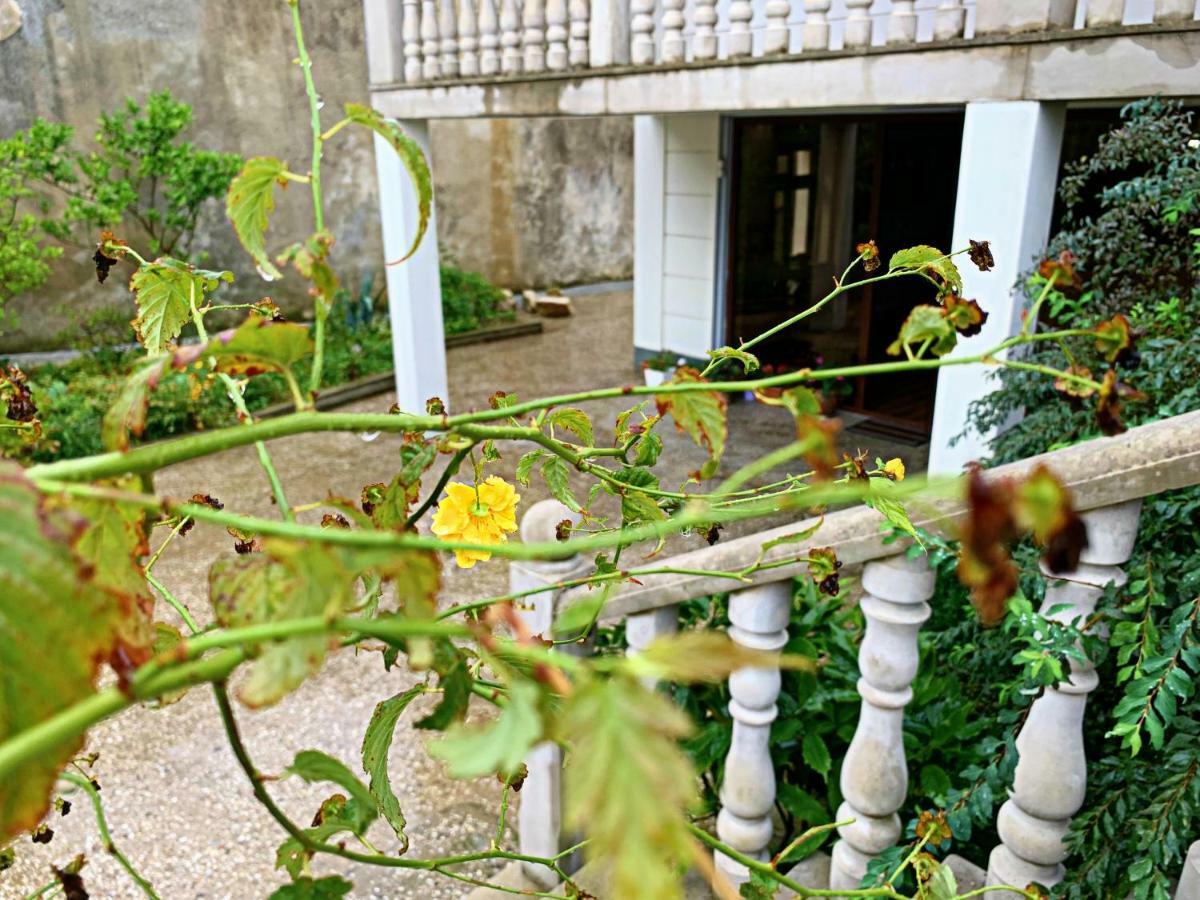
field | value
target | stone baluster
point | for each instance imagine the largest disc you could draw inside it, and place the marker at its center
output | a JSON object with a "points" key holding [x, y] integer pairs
{"points": [[1189, 878], [816, 25], [578, 51], [642, 628], [468, 40], [759, 617], [673, 46], [540, 815], [1104, 13], [510, 36], [740, 41], [533, 17], [948, 20], [556, 34], [489, 38], [448, 29], [430, 45], [777, 35], [1051, 774], [412, 40], [641, 41], [874, 774], [704, 38], [858, 24], [1174, 10], [902, 23]]}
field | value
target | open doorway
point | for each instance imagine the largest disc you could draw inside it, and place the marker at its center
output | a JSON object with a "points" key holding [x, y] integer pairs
{"points": [[803, 192]]}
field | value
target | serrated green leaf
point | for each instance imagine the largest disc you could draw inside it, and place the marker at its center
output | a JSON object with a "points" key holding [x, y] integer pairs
{"points": [[925, 324], [942, 885], [411, 156], [575, 421], [929, 260], [554, 471], [313, 766], [648, 449], [816, 753], [699, 414], [249, 203], [456, 694], [748, 360], [164, 291], [257, 345], [759, 887], [377, 741], [636, 505], [881, 500], [331, 887], [501, 745], [526, 463]]}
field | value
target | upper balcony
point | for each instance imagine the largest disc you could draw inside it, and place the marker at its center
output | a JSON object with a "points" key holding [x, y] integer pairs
{"points": [[482, 58]]}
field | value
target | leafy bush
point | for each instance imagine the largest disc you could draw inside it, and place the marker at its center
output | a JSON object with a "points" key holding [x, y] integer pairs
{"points": [[470, 301]]}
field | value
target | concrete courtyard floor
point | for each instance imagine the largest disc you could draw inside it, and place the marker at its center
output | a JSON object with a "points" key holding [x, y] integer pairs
{"points": [[177, 804]]}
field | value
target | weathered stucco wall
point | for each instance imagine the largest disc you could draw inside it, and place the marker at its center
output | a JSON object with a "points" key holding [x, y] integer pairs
{"points": [[536, 202], [529, 202]]}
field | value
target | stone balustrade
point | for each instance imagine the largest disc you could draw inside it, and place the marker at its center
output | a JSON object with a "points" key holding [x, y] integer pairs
{"points": [[1107, 478], [452, 40]]}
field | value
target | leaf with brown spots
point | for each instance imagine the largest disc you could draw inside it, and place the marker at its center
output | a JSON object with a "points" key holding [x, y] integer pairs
{"points": [[699, 414]]}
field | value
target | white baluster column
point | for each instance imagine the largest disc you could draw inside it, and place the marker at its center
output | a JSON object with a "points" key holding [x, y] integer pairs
{"points": [[672, 31], [540, 816], [874, 773], [578, 52], [641, 41], [948, 20], [489, 38], [902, 23], [858, 24], [740, 42], [468, 40], [642, 628], [430, 45], [556, 34], [1051, 776], [816, 25], [704, 38], [1174, 10], [510, 36], [533, 17], [760, 619], [1105, 13], [777, 35], [412, 41], [384, 34], [448, 29]]}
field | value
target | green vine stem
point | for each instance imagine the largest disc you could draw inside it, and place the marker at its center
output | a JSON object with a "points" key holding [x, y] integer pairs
{"points": [[110, 847]]}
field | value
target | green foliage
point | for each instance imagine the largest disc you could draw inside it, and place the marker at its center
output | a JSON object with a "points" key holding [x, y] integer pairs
{"points": [[470, 301], [249, 204]]}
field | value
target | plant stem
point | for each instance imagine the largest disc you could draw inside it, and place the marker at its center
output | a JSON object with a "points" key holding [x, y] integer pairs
{"points": [[106, 838], [449, 472], [234, 391], [183, 611]]}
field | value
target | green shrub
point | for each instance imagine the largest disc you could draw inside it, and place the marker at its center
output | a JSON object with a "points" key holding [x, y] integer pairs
{"points": [[470, 301]]}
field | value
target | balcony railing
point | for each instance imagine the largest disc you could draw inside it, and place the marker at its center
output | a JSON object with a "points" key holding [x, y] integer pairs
{"points": [[457, 40], [1108, 479]]}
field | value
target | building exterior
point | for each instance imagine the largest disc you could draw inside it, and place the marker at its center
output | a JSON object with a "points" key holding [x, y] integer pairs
{"points": [[771, 135]]}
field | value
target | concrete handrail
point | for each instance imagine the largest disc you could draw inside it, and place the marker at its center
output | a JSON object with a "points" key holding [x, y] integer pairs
{"points": [[1146, 460]]}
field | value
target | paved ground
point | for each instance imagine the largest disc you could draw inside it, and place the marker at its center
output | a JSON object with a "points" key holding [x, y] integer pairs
{"points": [[176, 802]]}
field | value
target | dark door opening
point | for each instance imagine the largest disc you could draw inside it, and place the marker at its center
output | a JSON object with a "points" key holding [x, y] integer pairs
{"points": [[804, 191]]}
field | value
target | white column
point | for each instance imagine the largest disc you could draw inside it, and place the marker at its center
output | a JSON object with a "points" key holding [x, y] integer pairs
{"points": [[1174, 10], [608, 33], [448, 29], [412, 41], [1007, 176], [672, 31], [704, 38], [641, 42], [777, 35], [1051, 777], [1105, 13], [948, 20], [540, 816], [649, 174], [642, 628], [858, 24], [759, 617], [489, 38], [556, 34], [385, 40], [533, 18], [510, 36], [414, 286], [430, 45], [740, 42], [816, 25], [577, 49], [874, 773], [998, 17], [468, 41], [902, 23]]}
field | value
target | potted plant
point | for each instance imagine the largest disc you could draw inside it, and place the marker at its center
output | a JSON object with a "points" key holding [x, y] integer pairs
{"points": [[660, 367]]}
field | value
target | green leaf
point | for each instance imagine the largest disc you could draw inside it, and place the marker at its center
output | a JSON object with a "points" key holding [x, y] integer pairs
{"points": [[257, 345], [456, 693], [628, 784], [501, 745], [649, 447], [60, 623], [703, 655], [699, 414], [816, 753], [934, 781], [331, 887], [636, 505], [748, 360], [249, 203], [410, 154], [377, 741], [881, 500], [554, 470], [392, 508], [313, 766], [126, 417], [575, 421], [930, 260], [526, 463], [942, 885], [925, 323], [164, 291], [759, 887]]}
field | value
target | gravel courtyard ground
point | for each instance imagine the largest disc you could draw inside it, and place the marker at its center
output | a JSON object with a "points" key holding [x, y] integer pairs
{"points": [[176, 802]]}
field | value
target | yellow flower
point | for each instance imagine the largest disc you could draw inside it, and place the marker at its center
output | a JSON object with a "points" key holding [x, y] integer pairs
{"points": [[894, 469], [483, 518]]}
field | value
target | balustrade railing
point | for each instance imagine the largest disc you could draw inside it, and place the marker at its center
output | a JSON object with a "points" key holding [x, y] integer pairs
{"points": [[1107, 478], [447, 40]]}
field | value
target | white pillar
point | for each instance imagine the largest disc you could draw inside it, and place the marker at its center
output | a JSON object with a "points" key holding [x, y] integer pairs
{"points": [[857, 31], [414, 286], [816, 25], [777, 35], [902, 23], [649, 173], [1007, 176], [578, 54], [430, 45], [642, 629], [608, 33], [385, 40], [704, 38]]}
